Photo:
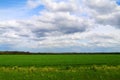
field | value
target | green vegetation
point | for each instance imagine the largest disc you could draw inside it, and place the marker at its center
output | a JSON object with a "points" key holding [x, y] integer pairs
{"points": [[60, 67], [58, 73], [58, 60]]}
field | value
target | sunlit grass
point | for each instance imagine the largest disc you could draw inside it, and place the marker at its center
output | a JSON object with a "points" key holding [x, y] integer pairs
{"points": [[93, 72]]}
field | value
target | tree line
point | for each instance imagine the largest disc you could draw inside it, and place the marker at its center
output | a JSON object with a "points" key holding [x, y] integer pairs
{"points": [[49, 53]]}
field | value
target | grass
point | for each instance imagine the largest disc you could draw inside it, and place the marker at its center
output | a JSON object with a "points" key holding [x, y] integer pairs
{"points": [[59, 67], [57, 73], [58, 60]]}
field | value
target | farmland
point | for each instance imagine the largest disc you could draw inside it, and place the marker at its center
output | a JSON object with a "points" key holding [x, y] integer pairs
{"points": [[60, 67]]}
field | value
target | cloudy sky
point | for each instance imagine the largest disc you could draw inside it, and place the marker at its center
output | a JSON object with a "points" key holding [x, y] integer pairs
{"points": [[60, 25]]}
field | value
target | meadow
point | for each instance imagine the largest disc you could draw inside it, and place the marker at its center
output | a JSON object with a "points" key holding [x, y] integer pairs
{"points": [[60, 67]]}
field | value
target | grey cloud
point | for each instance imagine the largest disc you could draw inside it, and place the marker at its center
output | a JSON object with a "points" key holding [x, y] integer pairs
{"points": [[61, 22], [112, 19], [104, 12], [40, 32], [71, 30], [102, 6]]}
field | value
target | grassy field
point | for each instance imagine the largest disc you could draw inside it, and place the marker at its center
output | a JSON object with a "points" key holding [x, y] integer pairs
{"points": [[59, 67]]}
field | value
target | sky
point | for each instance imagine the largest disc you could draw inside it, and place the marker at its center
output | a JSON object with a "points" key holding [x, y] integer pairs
{"points": [[60, 25]]}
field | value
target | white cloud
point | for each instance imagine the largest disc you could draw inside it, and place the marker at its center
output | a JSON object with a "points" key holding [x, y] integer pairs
{"points": [[105, 12], [33, 3], [66, 23], [101, 6]]}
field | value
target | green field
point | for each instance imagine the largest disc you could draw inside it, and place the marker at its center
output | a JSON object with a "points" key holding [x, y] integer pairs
{"points": [[60, 67]]}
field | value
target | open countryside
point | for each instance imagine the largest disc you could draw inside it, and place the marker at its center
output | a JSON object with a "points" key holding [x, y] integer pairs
{"points": [[59, 39]]}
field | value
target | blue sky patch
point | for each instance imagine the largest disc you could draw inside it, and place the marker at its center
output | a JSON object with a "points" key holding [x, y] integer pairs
{"points": [[12, 3], [118, 2]]}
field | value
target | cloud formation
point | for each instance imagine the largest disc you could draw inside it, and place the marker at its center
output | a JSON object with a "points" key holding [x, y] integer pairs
{"points": [[65, 23], [105, 12]]}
